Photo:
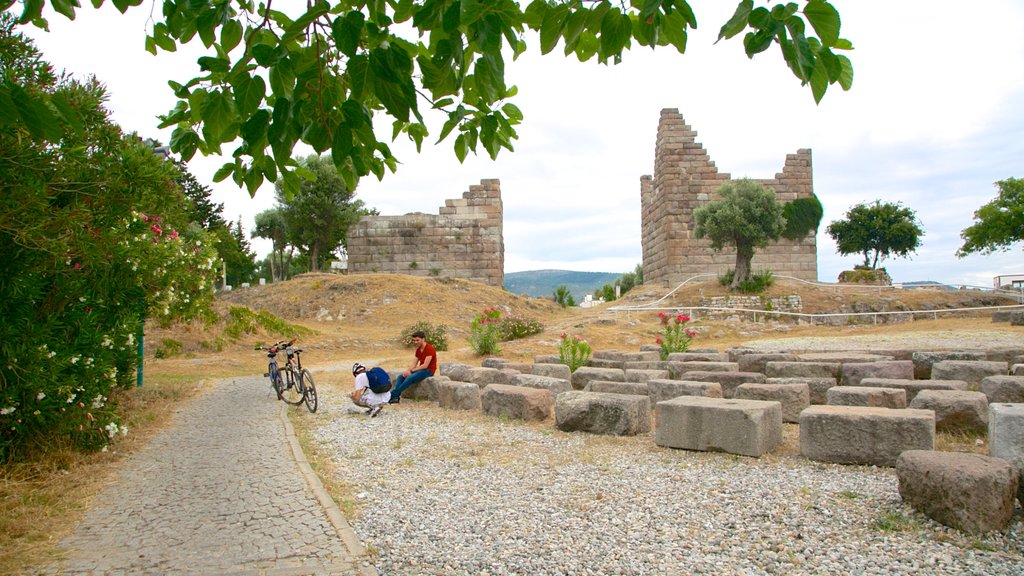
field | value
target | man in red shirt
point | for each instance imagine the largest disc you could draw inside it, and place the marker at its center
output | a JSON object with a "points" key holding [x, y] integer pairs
{"points": [[423, 367]]}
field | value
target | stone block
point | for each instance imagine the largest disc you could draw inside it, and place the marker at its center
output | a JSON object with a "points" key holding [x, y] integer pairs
{"points": [[923, 361], [854, 372], [1003, 389], [680, 369], [1006, 436], [728, 380], [783, 369], [635, 375], [605, 363], [547, 359], [631, 388], [843, 357], [425, 389], [1017, 369], [793, 397], [492, 362], [697, 357], [583, 375], [755, 362], [599, 413], [482, 376], [914, 387], [458, 395], [818, 387], [970, 371], [747, 427], [869, 396], [862, 435], [552, 370], [969, 492], [453, 370], [661, 390], [1007, 354], [554, 386], [955, 410], [646, 365], [518, 367], [531, 404]]}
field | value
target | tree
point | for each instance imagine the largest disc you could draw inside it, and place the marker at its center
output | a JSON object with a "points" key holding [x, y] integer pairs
{"points": [[747, 216], [563, 297], [270, 224], [998, 224], [235, 252], [877, 231], [318, 216], [319, 73]]}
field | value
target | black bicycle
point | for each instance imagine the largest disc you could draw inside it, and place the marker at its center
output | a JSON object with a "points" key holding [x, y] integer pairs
{"points": [[292, 383]]}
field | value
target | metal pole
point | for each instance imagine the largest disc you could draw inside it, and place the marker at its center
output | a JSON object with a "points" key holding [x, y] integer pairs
{"points": [[141, 345]]}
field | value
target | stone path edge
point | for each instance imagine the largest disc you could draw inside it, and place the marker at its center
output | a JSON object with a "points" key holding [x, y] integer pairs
{"points": [[334, 515]]}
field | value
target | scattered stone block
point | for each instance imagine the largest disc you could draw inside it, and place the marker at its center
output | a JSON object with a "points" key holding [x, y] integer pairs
{"points": [[728, 380], [862, 435], [532, 404], [1006, 436], [1003, 389], [680, 369], [843, 357], [697, 357], [632, 388], [782, 369], [455, 371], [637, 375], [483, 376], [1017, 369], [793, 397], [969, 492], [1017, 319], [868, 396], [458, 395], [923, 361], [914, 387], [854, 372], [605, 363], [492, 362], [552, 371], [747, 427], [646, 365], [554, 386], [818, 387], [756, 362], [1004, 354], [955, 410], [518, 367], [547, 359], [425, 389], [583, 375], [661, 390], [599, 413], [970, 371]]}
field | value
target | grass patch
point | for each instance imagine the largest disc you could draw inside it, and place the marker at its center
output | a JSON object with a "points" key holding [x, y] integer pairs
{"points": [[242, 320], [896, 521]]}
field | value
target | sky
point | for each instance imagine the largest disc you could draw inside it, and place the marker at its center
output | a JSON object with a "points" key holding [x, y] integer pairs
{"points": [[933, 120]]}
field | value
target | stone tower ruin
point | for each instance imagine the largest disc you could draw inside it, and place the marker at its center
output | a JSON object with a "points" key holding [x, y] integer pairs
{"points": [[685, 179], [464, 240]]}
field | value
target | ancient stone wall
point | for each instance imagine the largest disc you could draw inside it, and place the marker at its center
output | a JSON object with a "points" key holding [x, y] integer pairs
{"points": [[464, 240], [685, 179]]}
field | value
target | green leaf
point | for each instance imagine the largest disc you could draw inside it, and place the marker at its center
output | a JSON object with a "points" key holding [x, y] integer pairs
{"points": [[230, 35], [347, 31], [67, 111], [738, 22], [757, 42], [32, 10], [358, 73], [513, 112], [451, 19], [341, 146], [254, 130], [616, 30], [819, 81], [489, 72], [36, 114], [673, 29], [219, 115], [300, 25], [824, 18], [683, 7], [460, 148], [206, 23], [551, 28], [211, 64], [282, 79], [65, 8], [846, 75], [249, 93], [574, 25], [185, 142], [224, 171]]}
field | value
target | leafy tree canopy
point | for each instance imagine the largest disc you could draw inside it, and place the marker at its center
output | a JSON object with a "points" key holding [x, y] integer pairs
{"points": [[877, 231], [748, 216], [322, 73], [998, 224]]}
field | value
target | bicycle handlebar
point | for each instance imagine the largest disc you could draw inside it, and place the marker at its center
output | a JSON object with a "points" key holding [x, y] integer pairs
{"points": [[274, 348]]}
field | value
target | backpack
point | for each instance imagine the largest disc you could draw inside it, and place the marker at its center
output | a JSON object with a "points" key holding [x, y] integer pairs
{"points": [[380, 382]]}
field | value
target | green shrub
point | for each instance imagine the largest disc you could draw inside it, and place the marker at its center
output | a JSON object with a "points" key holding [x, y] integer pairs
{"points": [[515, 327], [758, 282], [168, 348], [484, 333], [675, 336], [436, 335], [563, 297], [574, 352], [242, 320]]}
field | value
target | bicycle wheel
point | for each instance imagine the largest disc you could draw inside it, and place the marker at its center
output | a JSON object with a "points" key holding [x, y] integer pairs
{"points": [[310, 387], [292, 388], [275, 379]]}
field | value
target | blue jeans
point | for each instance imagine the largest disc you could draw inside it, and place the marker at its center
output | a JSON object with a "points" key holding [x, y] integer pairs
{"points": [[403, 382]]}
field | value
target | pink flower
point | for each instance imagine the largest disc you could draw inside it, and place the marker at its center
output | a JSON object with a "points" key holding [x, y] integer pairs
{"points": [[682, 318], [174, 234], [657, 341], [690, 333], [77, 266], [156, 229], [144, 217]]}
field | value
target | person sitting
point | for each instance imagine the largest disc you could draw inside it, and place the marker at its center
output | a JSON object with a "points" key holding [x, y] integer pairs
{"points": [[424, 366], [363, 396]]}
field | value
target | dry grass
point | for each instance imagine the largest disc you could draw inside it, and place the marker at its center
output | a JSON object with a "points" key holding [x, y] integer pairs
{"points": [[359, 318]]}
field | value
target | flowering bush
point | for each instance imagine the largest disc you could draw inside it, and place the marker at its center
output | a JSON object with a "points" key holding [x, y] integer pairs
{"points": [[675, 336], [484, 333], [436, 335], [573, 351], [516, 327]]}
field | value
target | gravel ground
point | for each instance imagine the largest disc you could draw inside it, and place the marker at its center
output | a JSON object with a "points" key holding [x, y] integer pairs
{"points": [[445, 492]]}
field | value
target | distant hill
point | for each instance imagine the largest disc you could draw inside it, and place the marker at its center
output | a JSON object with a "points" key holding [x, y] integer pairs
{"points": [[544, 282]]}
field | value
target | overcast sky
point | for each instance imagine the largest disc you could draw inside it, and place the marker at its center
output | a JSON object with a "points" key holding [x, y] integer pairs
{"points": [[934, 118]]}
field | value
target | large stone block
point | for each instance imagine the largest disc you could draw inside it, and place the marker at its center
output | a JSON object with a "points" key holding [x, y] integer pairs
{"points": [[793, 397], [661, 390], [747, 427], [493, 362], [680, 369], [482, 376], [632, 388], [818, 387], [458, 395], [923, 361], [454, 371], [1003, 389], [755, 362], [955, 410], [635, 375], [516, 402], [868, 396], [970, 371], [585, 374], [969, 492], [555, 386], [697, 357], [913, 387], [728, 380], [613, 414], [1006, 436], [553, 371], [861, 435], [547, 359], [782, 369], [854, 372], [843, 357]]}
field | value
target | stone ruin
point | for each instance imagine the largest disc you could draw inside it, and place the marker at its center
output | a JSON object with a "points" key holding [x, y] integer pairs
{"points": [[464, 240], [685, 179]]}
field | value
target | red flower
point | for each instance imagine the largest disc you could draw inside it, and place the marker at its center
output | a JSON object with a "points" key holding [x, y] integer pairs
{"points": [[77, 266]]}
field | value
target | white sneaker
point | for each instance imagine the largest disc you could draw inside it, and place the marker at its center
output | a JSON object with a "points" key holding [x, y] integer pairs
{"points": [[376, 410]]}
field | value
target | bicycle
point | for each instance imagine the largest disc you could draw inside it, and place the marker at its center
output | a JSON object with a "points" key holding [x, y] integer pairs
{"points": [[292, 383]]}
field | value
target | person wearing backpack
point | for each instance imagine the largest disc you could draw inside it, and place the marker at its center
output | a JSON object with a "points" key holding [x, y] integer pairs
{"points": [[372, 388], [422, 368]]}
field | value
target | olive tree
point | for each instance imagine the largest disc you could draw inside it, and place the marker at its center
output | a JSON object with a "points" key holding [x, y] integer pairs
{"points": [[877, 231], [747, 216], [997, 224]]}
